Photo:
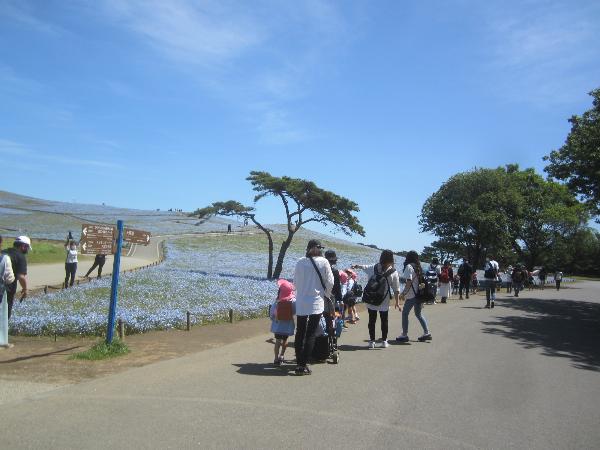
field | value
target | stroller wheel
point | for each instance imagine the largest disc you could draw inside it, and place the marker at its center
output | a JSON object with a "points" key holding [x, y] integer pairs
{"points": [[336, 357]]}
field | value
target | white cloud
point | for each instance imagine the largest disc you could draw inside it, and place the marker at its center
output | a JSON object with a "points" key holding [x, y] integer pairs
{"points": [[542, 51]]}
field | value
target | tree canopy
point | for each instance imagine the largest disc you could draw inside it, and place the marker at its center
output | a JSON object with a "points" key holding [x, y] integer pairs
{"points": [[578, 161], [304, 202], [506, 213]]}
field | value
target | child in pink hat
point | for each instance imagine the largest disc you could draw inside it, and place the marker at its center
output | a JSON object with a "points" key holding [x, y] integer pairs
{"points": [[282, 313]]}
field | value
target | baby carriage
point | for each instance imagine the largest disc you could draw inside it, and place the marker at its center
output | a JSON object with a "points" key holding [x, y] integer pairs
{"points": [[330, 329]]}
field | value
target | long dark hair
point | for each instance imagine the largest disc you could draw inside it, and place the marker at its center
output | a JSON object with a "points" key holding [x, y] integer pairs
{"points": [[387, 257], [412, 257]]}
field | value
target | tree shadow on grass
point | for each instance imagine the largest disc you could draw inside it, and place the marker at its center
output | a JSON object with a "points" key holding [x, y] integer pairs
{"points": [[561, 328]]}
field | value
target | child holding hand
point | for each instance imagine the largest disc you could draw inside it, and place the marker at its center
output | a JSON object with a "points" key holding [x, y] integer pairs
{"points": [[282, 313]]}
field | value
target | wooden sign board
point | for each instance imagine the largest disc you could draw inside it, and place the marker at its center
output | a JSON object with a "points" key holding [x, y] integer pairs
{"points": [[97, 239], [136, 236]]}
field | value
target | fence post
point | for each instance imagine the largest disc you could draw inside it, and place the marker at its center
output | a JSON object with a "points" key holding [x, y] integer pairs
{"points": [[231, 316], [188, 326], [45, 289], [121, 328]]}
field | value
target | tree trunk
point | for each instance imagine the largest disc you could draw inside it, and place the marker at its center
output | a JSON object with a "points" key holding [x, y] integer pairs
{"points": [[284, 246], [270, 239]]}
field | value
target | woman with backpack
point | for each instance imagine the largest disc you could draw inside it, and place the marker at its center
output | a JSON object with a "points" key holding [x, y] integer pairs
{"points": [[282, 318], [413, 273], [384, 275]]}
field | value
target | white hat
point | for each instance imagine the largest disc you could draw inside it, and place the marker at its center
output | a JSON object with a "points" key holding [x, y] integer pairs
{"points": [[24, 240]]}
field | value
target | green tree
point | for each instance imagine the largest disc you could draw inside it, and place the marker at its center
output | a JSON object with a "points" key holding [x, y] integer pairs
{"points": [[578, 161], [546, 214], [231, 208], [470, 210], [305, 202]]}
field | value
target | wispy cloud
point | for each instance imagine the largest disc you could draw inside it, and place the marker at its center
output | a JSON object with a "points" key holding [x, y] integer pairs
{"points": [[236, 50], [23, 12], [29, 155], [540, 51]]}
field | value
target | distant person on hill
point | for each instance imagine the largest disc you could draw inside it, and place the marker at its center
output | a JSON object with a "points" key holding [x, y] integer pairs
{"points": [[490, 274], [385, 268], [282, 313], [465, 272], [542, 276], [445, 277], [412, 275], [229, 228], [70, 262], [99, 262], [313, 279], [18, 262], [558, 276]]}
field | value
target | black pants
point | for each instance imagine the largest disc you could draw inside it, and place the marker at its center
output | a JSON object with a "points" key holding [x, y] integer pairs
{"points": [[304, 341], [373, 320], [10, 299], [99, 265], [557, 285], [466, 285], [70, 270]]}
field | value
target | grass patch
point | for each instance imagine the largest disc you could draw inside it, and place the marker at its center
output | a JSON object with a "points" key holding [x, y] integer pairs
{"points": [[102, 350], [583, 278]]}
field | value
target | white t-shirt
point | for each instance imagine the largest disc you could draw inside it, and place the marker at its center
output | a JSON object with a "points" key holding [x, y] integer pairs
{"points": [[71, 255], [410, 275], [394, 284], [309, 290]]}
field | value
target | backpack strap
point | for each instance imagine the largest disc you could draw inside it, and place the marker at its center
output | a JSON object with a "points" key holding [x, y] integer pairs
{"points": [[320, 279]]}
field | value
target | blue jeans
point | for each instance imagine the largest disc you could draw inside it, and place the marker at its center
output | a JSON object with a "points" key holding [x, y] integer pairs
{"points": [[408, 305], [490, 290]]}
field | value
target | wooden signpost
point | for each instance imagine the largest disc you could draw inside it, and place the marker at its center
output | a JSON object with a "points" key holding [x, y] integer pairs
{"points": [[107, 239]]}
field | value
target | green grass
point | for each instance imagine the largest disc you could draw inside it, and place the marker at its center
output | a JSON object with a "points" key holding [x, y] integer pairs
{"points": [[47, 252], [102, 350]]}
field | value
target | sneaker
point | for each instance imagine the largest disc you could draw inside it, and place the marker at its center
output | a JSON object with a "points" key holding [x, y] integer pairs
{"points": [[281, 359], [425, 337], [302, 370], [460, 298], [371, 344], [402, 339], [384, 344], [277, 362], [492, 304], [487, 306]]}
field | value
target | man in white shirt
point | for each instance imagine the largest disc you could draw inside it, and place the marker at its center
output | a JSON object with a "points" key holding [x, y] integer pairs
{"points": [[313, 279], [490, 273]]}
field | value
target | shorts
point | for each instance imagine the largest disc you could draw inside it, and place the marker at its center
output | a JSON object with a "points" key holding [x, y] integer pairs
{"points": [[351, 301], [283, 337]]}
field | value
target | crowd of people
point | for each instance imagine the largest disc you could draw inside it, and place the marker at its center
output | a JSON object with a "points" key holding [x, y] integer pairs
{"points": [[321, 291]]}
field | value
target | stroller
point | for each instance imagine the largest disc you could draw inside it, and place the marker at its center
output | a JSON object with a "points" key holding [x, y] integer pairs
{"points": [[326, 345], [431, 282]]}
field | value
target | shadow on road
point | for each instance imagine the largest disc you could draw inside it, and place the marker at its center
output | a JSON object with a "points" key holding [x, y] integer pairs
{"points": [[561, 328], [39, 355], [265, 369]]}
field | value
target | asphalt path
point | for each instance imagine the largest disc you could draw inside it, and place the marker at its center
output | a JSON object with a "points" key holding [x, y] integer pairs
{"points": [[525, 374]]}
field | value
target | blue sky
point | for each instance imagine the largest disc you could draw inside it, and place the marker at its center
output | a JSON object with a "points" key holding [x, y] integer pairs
{"points": [[159, 104]]}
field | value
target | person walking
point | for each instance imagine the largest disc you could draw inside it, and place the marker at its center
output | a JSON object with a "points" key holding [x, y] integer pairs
{"points": [[18, 262], [474, 282], [434, 268], [282, 318], [509, 282], [7, 277], [335, 301], [465, 272], [350, 295], [70, 262], [445, 277], [518, 277], [412, 275], [490, 274], [384, 268], [542, 274], [558, 275], [313, 279], [99, 262]]}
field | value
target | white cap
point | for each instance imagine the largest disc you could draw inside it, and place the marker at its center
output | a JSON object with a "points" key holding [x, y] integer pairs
{"points": [[24, 240]]}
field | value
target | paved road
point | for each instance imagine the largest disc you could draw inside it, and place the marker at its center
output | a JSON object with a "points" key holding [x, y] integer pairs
{"points": [[523, 375]]}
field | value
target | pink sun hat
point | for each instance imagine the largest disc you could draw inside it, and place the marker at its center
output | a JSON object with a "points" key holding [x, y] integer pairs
{"points": [[286, 290], [343, 277], [352, 273]]}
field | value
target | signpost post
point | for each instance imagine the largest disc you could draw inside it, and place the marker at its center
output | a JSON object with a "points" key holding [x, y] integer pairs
{"points": [[112, 311]]}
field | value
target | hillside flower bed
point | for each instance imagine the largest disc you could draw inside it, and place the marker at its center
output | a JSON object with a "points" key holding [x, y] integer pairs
{"points": [[202, 275]]}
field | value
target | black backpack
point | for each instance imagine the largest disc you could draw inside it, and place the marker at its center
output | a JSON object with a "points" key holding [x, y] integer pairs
{"points": [[355, 292], [490, 271], [427, 286], [377, 288]]}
